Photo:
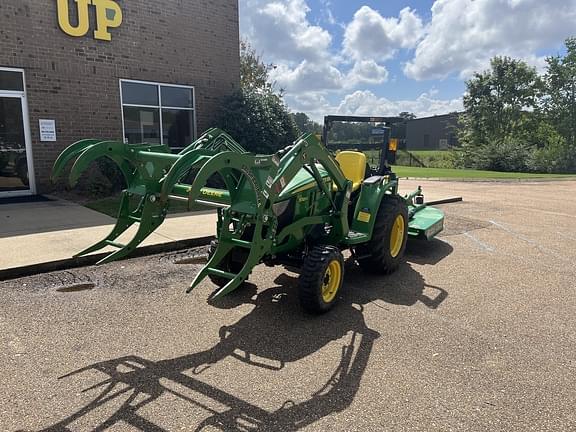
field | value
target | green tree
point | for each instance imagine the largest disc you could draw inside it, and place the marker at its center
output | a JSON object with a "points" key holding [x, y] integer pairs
{"points": [[560, 100], [501, 108], [305, 124], [258, 121], [517, 120], [407, 115], [256, 115], [254, 73], [498, 100]]}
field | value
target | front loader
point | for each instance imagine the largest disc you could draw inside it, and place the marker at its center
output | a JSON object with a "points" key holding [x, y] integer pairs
{"points": [[300, 207]]}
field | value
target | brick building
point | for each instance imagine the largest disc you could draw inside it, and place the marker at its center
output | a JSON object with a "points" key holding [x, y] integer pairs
{"points": [[138, 71]]}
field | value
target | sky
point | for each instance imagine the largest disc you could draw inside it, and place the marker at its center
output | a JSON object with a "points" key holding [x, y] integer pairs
{"points": [[382, 57]]}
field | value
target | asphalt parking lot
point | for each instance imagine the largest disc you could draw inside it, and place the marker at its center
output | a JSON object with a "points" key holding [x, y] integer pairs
{"points": [[475, 332]]}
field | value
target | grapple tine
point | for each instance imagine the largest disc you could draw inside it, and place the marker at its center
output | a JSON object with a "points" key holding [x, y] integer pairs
{"points": [[234, 283], [256, 254], [181, 167], [229, 287], [151, 217], [112, 149], [122, 224], [221, 251], [68, 154]]}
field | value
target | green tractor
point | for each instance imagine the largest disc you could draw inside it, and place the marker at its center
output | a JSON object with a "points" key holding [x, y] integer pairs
{"points": [[300, 207]]}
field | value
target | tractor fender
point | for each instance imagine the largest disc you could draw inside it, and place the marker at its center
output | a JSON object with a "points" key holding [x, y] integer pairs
{"points": [[372, 192]]}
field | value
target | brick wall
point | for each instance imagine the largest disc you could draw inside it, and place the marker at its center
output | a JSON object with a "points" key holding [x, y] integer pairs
{"points": [[76, 80]]}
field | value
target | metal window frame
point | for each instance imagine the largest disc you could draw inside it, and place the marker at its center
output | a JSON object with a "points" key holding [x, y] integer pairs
{"points": [[22, 95], [159, 107]]}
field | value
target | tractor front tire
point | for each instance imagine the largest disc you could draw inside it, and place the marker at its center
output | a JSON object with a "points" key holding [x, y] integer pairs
{"points": [[385, 251], [321, 279]]}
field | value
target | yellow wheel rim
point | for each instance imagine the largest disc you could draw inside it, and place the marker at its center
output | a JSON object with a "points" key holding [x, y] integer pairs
{"points": [[397, 236], [331, 281]]}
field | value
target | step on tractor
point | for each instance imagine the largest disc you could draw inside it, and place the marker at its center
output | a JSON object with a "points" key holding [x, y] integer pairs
{"points": [[300, 207]]}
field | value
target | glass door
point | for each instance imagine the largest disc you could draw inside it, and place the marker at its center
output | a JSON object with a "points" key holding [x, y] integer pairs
{"points": [[15, 158]]}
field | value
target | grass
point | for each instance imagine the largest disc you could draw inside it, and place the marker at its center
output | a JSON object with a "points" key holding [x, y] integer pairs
{"points": [[429, 153], [430, 158], [109, 206], [404, 171]]}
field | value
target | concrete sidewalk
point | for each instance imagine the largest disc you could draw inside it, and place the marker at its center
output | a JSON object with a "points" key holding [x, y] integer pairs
{"points": [[51, 231]]}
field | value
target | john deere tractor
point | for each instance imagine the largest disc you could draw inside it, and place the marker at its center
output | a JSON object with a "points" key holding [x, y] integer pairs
{"points": [[300, 207]]}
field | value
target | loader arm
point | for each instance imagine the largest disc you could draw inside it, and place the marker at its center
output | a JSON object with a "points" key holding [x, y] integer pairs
{"points": [[262, 180]]}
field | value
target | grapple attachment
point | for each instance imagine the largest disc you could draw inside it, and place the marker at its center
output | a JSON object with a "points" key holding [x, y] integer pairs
{"points": [[153, 177]]}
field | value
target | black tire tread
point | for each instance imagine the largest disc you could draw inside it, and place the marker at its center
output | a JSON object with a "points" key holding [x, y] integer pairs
{"points": [[312, 278], [379, 259]]}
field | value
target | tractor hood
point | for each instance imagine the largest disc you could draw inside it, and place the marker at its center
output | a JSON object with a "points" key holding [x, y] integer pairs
{"points": [[302, 181]]}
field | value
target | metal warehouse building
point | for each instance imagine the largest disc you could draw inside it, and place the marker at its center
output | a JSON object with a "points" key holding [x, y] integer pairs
{"points": [[138, 70], [432, 133]]}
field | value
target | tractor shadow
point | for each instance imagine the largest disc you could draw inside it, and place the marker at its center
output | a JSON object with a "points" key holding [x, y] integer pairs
{"points": [[406, 286], [272, 335]]}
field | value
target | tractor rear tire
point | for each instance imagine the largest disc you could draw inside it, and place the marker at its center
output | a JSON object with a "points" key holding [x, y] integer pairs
{"points": [[384, 253], [321, 279], [227, 265]]}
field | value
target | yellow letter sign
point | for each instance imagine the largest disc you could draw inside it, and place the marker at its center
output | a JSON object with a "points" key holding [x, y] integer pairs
{"points": [[63, 18], [108, 15]]}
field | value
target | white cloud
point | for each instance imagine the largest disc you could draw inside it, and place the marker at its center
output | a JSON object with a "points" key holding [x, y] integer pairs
{"points": [[327, 14], [281, 31], [372, 36], [316, 77], [367, 72], [366, 103], [464, 34], [311, 102], [307, 76]]}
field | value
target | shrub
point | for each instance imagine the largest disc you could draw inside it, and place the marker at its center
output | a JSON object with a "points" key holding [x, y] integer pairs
{"points": [[258, 120], [554, 157], [509, 155]]}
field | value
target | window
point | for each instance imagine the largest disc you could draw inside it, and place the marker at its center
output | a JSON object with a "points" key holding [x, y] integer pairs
{"points": [[158, 113], [11, 81]]}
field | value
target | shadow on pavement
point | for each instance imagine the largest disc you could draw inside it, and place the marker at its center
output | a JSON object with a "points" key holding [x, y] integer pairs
{"points": [[405, 286], [274, 333], [424, 252]]}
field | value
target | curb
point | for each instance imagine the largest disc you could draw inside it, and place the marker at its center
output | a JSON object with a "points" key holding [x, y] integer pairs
{"points": [[88, 260]]}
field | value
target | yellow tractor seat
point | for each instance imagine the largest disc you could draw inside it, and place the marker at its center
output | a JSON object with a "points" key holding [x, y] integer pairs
{"points": [[353, 165]]}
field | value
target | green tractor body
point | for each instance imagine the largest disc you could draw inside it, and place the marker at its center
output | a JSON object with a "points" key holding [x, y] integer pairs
{"points": [[300, 207]]}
